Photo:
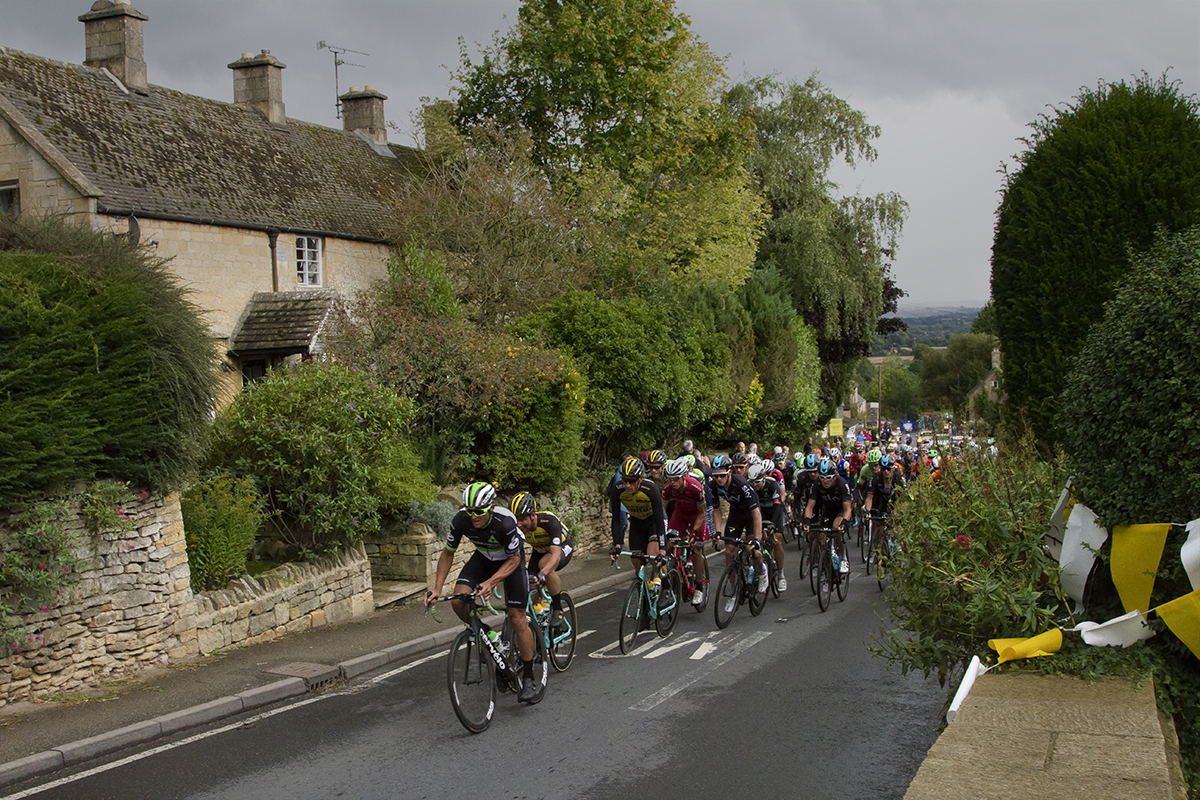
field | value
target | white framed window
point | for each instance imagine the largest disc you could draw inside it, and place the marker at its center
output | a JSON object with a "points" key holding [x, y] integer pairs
{"points": [[308, 261], [10, 199]]}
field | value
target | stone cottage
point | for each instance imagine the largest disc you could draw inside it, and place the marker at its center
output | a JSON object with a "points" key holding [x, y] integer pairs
{"points": [[269, 220]]}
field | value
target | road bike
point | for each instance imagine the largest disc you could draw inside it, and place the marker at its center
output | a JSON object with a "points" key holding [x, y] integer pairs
{"points": [[774, 573], [480, 660], [681, 552], [738, 585], [648, 599], [559, 640], [828, 574], [883, 548]]}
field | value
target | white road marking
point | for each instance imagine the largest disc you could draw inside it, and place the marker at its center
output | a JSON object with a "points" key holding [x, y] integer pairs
{"points": [[684, 641], [592, 599], [667, 692]]}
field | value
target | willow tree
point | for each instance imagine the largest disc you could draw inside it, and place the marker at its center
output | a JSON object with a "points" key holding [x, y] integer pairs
{"points": [[830, 248]]}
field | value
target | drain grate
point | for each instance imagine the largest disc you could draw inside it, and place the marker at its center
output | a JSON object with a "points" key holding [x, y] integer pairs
{"points": [[316, 676]]}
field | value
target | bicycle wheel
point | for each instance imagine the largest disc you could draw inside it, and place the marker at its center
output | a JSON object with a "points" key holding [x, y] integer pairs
{"points": [[843, 580], [472, 682], [562, 641], [825, 580], [758, 598], [805, 565], [872, 550], [669, 600], [541, 661], [631, 616], [729, 595], [864, 540], [883, 550], [772, 573], [814, 564]]}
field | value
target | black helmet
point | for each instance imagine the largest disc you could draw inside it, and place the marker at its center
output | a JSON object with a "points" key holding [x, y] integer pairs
{"points": [[826, 468]]}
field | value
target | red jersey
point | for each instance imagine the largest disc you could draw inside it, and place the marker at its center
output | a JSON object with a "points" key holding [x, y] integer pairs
{"points": [[689, 501]]}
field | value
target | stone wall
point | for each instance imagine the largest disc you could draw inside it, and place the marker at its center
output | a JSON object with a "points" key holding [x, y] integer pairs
{"points": [[42, 189], [291, 598], [411, 554], [133, 607]]}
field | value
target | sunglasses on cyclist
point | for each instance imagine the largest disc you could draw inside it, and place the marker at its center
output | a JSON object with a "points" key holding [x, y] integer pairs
{"points": [[631, 481], [825, 478], [479, 512]]}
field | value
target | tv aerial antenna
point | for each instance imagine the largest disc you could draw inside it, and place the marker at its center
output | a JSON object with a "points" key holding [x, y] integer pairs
{"points": [[337, 62]]}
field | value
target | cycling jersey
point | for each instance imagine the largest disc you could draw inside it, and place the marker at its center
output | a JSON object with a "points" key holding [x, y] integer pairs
{"points": [[738, 493], [688, 502], [881, 488], [647, 520], [830, 499], [549, 532], [500, 539]]}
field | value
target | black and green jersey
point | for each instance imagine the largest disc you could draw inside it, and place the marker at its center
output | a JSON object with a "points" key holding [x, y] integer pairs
{"points": [[500, 539]]}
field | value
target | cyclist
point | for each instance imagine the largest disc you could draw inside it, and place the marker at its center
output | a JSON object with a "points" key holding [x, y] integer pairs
{"points": [[551, 548], [689, 516], [642, 500], [770, 499], [655, 460], [745, 516], [829, 505], [886, 479], [499, 557]]}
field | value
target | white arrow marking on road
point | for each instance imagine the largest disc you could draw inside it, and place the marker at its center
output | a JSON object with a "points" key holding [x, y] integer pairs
{"points": [[687, 638], [710, 646], [667, 692]]}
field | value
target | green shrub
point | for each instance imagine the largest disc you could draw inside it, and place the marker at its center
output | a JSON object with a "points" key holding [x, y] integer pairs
{"points": [[328, 449], [221, 518], [972, 564], [437, 515], [105, 365], [37, 563], [1129, 420]]}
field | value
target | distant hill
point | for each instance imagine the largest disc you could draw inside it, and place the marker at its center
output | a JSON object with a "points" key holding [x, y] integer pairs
{"points": [[931, 326]]}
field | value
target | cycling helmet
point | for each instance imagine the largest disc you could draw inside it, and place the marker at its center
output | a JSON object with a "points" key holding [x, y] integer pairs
{"points": [[754, 459], [779, 459], [632, 468], [757, 473], [835, 454], [873, 457], [522, 505], [478, 496], [656, 458], [888, 461], [737, 459], [811, 461], [722, 462], [677, 467], [826, 468]]}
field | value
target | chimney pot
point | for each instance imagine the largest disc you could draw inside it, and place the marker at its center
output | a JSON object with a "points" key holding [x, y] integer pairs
{"points": [[258, 83], [113, 41], [362, 110]]}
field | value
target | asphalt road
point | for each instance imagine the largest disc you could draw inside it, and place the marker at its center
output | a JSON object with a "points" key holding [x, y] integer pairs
{"points": [[788, 703]]}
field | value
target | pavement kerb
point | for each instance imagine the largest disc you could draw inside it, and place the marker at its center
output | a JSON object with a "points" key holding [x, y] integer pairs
{"points": [[138, 733]]}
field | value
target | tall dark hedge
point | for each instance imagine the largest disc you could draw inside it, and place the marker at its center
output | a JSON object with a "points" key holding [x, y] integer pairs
{"points": [[105, 365], [1098, 177], [1130, 416]]}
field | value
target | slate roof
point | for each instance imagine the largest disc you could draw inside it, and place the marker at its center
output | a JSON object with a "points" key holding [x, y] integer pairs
{"points": [[172, 153], [283, 322]]}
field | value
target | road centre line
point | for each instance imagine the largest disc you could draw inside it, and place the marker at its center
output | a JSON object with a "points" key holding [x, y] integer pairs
{"points": [[669, 691], [593, 599]]}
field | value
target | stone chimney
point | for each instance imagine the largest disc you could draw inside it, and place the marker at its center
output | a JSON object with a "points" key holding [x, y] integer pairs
{"points": [[258, 83], [363, 111], [113, 39]]}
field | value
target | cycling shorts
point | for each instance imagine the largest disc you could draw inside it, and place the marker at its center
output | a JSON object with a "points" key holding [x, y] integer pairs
{"points": [[740, 524], [642, 532], [479, 568]]}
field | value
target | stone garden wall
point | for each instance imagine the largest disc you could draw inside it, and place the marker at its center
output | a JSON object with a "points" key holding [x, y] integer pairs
{"points": [[133, 607]]}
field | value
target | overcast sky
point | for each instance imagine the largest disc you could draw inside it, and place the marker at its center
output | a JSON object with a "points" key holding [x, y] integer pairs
{"points": [[953, 84]]}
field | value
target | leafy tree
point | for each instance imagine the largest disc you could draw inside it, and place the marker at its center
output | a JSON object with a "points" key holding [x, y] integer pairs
{"points": [[1095, 181], [105, 364], [1128, 417], [948, 375], [503, 236], [621, 102], [829, 249], [774, 341], [901, 390], [985, 322]]}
